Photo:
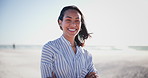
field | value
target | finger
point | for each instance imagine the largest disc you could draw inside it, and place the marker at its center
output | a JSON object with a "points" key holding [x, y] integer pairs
{"points": [[93, 76], [91, 73], [96, 76], [53, 75]]}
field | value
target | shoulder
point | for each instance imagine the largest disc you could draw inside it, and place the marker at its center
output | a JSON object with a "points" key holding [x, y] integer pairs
{"points": [[51, 45], [86, 52]]}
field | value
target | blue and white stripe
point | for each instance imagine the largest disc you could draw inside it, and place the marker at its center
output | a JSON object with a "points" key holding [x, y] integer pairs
{"points": [[59, 57]]}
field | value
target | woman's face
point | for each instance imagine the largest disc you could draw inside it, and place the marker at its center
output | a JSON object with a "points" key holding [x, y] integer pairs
{"points": [[71, 23]]}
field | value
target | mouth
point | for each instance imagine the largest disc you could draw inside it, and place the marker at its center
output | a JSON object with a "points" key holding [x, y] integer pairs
{"points": [[72, 30]]}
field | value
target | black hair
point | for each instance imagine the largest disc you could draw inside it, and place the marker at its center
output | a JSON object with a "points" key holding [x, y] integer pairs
{"points": [[83, 33]]}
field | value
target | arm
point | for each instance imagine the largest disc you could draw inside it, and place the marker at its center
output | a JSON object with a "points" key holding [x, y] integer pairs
{"points": [[92, 72], [47, 62]]}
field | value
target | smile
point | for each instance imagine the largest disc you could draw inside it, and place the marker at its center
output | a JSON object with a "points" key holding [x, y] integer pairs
{"points": [[72, 30]]}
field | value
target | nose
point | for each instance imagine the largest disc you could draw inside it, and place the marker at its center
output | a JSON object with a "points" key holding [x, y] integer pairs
{"points": [[73, 24]]}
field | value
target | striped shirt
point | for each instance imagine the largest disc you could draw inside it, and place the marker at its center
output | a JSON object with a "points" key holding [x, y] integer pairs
{"points": [[59, 57]]}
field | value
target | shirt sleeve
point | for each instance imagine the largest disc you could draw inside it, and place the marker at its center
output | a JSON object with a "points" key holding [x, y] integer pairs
{"points": [[91, 67], [46, 61]]}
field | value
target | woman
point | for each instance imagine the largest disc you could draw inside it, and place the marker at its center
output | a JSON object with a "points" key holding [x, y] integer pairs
{"points": [[65, 57]]}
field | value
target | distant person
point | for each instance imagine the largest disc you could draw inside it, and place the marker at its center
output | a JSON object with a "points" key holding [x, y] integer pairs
{"points": [[13, 46], [65, 57]]}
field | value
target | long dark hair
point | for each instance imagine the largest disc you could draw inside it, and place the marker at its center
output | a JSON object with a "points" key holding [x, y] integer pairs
{"points": [[83, 33]]}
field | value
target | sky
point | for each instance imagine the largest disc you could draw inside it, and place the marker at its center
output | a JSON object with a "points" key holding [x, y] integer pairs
{"points": [[112, 22]]}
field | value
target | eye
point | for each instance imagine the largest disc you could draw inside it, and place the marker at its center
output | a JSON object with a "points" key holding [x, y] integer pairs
{"points": [[77, 21], [68, 20]]}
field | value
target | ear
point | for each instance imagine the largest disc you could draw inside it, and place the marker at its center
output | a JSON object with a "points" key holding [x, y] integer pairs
{"points": [[60, 24]]}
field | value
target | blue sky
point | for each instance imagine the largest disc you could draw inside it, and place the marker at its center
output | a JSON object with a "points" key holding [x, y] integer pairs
{"points": [[113, 22]]}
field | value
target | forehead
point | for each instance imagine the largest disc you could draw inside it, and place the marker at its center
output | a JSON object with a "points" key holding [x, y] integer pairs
{"points": [[72, 13]]}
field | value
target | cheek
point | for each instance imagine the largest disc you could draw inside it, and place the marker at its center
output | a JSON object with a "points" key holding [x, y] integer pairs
{"points": [[64, 25], [79, 26]]}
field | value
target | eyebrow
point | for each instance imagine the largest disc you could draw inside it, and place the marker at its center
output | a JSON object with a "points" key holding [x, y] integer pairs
{"points": [[71, 17]]}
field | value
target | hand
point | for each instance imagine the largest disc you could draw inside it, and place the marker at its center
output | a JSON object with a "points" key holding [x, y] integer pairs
{"points": [[92, 75], [53, 75]]}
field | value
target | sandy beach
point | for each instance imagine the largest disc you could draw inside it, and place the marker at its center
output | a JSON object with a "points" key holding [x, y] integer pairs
{"points": [[25, 63], [20, 63], [121, 64]]}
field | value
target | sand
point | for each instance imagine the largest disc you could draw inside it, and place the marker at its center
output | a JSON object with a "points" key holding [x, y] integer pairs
{"points": [[23, 63], [121, 64], [20, 63]]}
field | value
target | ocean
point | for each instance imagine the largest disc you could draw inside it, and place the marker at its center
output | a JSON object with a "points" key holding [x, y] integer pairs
{"points": [[99, 47]]}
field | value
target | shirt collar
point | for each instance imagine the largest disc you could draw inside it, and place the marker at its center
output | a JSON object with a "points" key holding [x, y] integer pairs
{"points": [[79, 48], [64, 40]]}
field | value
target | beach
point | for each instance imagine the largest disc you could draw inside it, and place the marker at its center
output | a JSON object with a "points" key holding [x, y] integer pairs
{"points": [[122, 64], [25, 63], [20, 63]]}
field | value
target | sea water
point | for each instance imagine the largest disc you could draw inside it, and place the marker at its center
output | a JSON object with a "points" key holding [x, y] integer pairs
{"points": [[88, 47]]}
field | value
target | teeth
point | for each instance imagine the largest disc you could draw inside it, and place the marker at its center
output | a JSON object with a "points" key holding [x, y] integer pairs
{"points": [[72, 29]]}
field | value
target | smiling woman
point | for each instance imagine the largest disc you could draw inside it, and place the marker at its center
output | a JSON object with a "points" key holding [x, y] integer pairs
{"points": [[65, 57], [71, 23], [77, 20]]}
